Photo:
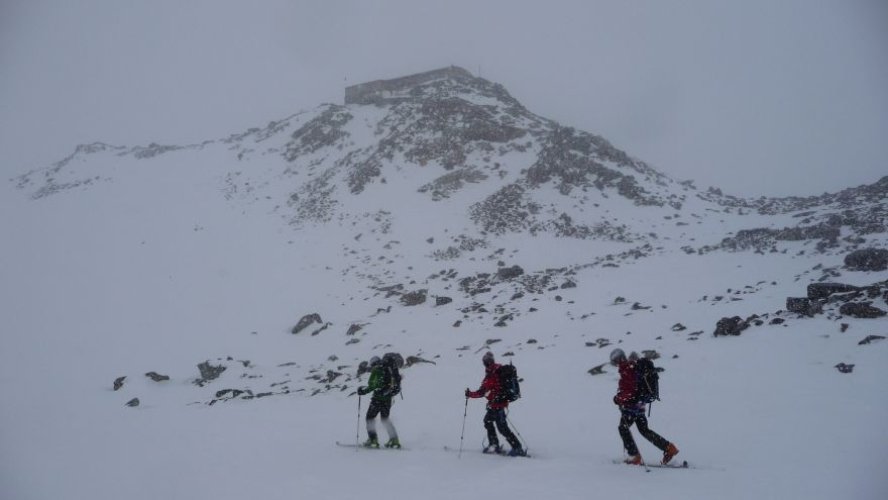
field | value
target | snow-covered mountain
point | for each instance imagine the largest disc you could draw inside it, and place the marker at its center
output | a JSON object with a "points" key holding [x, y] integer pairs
{"points": [[238, 284]]}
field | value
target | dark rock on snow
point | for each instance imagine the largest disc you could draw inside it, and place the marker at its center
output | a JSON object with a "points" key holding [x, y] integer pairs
{"points": [[157, 377], [306, 320], [208, 372], [118, 382], [133, 402], [861, 310], [871, 338], [817, 291], [414, 298], [867, 259], [802, 305], [842, 367], [730, 326]]}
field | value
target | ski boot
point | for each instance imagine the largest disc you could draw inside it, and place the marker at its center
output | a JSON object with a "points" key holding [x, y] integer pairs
{"points": [[517, 452], [393, 443], [493, 449], [670, 452], [371, 443], [633, 460]]}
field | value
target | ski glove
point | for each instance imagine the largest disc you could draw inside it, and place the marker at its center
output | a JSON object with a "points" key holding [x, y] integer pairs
{"points": [[362, 390]]}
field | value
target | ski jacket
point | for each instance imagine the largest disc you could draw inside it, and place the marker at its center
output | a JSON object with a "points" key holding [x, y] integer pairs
{"points": [[490, 386], [381, 382], [627, 388]]}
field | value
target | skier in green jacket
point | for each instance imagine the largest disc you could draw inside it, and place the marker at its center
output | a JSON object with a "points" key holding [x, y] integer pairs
{"points": [[384, 383]]}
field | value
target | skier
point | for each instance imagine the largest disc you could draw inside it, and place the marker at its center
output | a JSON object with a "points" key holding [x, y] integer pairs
{"points": [[632, 411], [384, 383], [496, 410]]}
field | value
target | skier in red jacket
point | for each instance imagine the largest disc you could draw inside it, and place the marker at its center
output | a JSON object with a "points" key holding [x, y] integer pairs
{"points": [[632, 412], [496, 409]]}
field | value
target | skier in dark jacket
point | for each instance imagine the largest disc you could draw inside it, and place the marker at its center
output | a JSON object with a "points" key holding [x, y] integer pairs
{"points": [[496, 410], [632, 412], [384, 383]]}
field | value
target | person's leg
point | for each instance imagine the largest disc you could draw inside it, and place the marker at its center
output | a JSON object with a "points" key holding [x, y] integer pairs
{"points": [[626, 421], [503, 426], [657, 440], [372, 411], [385, 409], [489, 418]]}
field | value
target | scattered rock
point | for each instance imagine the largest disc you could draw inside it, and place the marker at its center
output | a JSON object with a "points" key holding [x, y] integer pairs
{"points": [[353, 329], [802, 305], [619, 300], [531, 341], [844, 327], [730, 326], [842, 367], [133, 402], [638, 307], [414, 298], [870, 339], [597, 370], [568, 284], [440, 300], [118, 382], [818, 291], [507, 273], [867, 259], [157, 377], [861, 310], [412, 360], [306, 320], [678, 327], [777, 321], [208, 372]]}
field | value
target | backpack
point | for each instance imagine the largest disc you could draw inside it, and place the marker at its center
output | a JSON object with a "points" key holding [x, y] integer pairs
{"points": [[510, 390], [648, 381], [395, 380]]}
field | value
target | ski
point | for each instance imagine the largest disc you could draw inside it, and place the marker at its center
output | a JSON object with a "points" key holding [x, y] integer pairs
{"points": [[362, 447], [501, 454], [674, 465]]}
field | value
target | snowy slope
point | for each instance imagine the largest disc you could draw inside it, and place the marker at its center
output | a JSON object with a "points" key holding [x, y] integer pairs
{"points": [[120, 261]]}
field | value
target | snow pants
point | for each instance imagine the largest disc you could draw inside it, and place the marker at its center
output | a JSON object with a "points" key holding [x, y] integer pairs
{"points": [[498, 418], [382, 408], [629, 417]]}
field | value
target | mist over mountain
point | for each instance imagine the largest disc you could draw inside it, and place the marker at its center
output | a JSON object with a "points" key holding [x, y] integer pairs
{"points": [[433, 215]]}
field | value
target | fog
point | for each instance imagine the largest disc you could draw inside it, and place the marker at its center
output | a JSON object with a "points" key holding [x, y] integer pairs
{"points": [[756, 97]]}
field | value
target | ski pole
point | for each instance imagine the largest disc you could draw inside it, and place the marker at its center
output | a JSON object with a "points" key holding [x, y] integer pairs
{"points": [[358, 426], [520, 437], [463, 433]]}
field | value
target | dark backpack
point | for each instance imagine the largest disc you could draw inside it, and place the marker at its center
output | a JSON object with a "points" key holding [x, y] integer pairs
{"points": [[510, 390], [647, 381], [395, 380]]}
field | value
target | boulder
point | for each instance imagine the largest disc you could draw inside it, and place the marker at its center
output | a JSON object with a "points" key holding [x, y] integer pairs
{"points": [[157, 377], [730, 326], [118, 382], [818, 291], [132, 403], [867, 259], [861, 310], [507, 273], [208, 372], [306, 320], [802, 305], [441, 300], [414, 298]]}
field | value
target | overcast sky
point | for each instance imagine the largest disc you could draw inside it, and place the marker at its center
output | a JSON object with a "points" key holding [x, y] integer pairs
{"points": [[758, 97]]}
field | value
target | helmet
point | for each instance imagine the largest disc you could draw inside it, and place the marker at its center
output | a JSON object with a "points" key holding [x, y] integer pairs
{"points": [[617, 356], [633, 356], [375, 361], [487, 359]]}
